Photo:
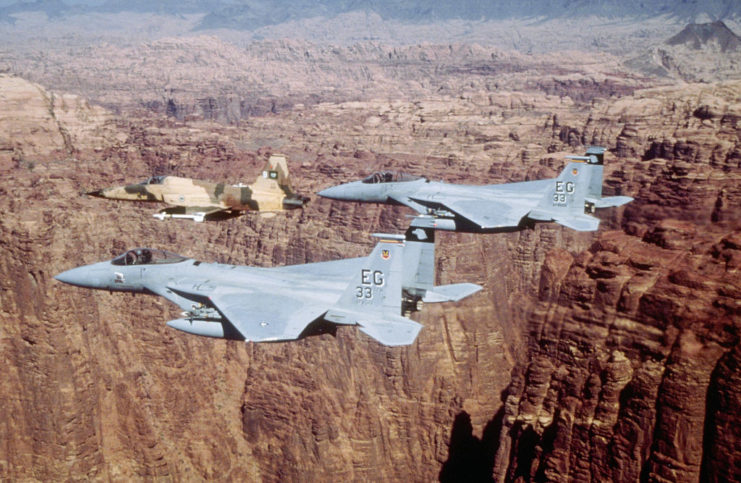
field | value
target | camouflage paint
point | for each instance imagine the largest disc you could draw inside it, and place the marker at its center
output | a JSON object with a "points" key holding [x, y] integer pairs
{"points": [[267, 193]]}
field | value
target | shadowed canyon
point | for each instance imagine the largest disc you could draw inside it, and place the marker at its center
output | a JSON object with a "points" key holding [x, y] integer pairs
{"points": [[606, 356]]}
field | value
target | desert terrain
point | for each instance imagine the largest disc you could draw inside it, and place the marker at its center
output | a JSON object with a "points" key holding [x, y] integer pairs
{"points": [[606, 356]]}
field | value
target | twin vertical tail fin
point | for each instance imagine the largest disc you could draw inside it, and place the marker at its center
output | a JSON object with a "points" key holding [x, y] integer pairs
{"points": [[419, 270], [399, 271], [419, 259], [376, 285], [594, 197], [372, 299], [576, 193]]}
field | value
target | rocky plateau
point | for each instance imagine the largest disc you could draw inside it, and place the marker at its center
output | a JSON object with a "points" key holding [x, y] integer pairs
{"points": [[607, 356]]}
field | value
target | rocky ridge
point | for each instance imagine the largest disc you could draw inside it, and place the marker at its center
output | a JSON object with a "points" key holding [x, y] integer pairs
{"points": [[208, 78], [37, 124], [621, 346], [700, 52]]}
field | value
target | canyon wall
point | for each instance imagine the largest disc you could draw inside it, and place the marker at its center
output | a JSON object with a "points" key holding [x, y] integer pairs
{"points": [[586, 357]]}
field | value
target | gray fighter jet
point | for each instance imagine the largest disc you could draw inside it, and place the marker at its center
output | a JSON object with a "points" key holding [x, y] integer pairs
{"points": [[377, 292], [568, 200]]}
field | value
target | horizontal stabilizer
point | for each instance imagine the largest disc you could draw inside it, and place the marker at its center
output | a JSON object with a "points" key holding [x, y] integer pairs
{"points": [[451, 293], [579, 222], [609, 201], [391, 330], [388, 329]]}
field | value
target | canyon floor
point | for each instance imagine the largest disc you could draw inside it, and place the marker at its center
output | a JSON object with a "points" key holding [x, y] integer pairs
{"points": [[588, 356]]}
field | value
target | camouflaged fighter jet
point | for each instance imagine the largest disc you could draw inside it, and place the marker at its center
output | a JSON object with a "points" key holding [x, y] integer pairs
{"points": [[376, 293], [201, 200], [569, 200]]}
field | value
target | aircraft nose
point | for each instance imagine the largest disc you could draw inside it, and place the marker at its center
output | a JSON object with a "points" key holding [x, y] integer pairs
{"points": [[96, 193], [79, 276], [334, 192]]}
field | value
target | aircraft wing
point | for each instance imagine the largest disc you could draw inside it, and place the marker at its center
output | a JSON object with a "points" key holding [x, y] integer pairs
{"points": [[257, 315], [609, 201], [329, 269], [261, 316], [486, 214], [405, 200]]}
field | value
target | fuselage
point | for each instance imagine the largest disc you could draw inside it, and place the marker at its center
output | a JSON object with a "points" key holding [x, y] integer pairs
{"points": [[173, 190], [529, 192], [432, 197], [324, 285]]}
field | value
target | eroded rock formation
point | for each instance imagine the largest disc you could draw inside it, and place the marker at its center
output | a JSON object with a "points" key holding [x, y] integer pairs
{"points": [[587, 356]]}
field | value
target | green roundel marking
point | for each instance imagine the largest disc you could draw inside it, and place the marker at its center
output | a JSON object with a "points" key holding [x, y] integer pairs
{"points": [[218, 190]]}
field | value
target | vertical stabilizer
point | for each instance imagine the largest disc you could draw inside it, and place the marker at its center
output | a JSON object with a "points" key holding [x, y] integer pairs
{"points": [[278, 163], [372, 299], [376, 284], [595, 161], [565, 200], [274, 175], [419, 259], [567, 193]]}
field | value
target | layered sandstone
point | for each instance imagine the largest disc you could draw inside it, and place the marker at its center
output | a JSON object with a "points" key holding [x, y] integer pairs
{"points": [[625, 342], [36, 124], [586, 356]]}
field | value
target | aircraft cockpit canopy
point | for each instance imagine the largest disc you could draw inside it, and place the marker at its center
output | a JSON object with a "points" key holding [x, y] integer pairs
{"points": [[147, 256], [389, 177], [154, 180]]}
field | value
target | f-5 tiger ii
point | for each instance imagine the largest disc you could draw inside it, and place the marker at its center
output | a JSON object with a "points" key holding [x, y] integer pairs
{"points": [[201, 200], [569, 200], [377, 293]]}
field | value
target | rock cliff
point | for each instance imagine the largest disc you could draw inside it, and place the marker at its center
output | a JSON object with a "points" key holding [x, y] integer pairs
{"points": [[586, 356]]}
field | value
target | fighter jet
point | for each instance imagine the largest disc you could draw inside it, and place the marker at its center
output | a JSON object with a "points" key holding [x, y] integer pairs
{"points": [[376, 293], [570, 199], [201, 200]]}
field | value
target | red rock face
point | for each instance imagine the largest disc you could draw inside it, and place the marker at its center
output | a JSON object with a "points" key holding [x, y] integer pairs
{"points": [[623, 351], [608, 356], [631, 341]]}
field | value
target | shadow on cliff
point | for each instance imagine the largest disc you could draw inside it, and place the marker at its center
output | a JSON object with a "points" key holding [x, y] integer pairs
{"points": [[471, 458], [719, 403]]}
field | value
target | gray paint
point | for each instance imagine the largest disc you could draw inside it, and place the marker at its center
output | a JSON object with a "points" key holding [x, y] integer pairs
{"points": [[569, 199], [274, 304]]}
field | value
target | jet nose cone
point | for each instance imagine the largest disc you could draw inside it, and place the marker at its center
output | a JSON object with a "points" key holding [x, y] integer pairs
{"points": [[333, 192], [76, 276], [96, 193]]}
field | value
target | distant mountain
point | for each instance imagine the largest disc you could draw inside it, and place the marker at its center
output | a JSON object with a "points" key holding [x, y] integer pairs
{"points": [[701, 35], [259, 13], [253, 14], [52, 8], [700, 52]]}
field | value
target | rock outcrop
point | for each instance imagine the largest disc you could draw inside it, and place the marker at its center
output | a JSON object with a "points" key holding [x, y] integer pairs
{"points": [[38, 125], [586, 356], [625, 343], [713, 35], [700, 52]]}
